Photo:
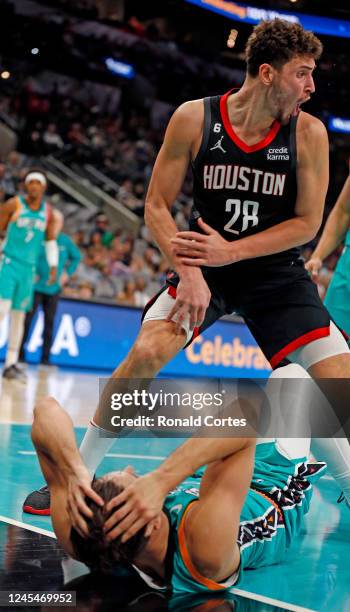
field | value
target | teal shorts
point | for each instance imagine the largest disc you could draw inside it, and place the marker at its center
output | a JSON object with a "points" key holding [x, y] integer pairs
{"points": [[16, 283], [337, 299]]}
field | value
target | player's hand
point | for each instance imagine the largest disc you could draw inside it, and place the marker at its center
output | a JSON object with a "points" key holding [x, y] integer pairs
{"points": [[52, 276], [209, 249], [64, 279], [313, 266], [192, 299], [136, 506], [79, 487]]}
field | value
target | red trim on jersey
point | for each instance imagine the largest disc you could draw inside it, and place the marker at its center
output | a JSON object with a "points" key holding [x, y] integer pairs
{"points": [[236, 139], [172, 291], [315, 334], [195, 333]]}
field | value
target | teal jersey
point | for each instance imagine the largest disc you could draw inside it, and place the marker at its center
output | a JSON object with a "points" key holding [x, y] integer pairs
{"points": [[347, 238], [337, 299], [68, 260], [25, 235], [271, 517]]}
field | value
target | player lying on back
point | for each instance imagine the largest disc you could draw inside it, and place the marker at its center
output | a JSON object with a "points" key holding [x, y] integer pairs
{"points": [[199, 536]]}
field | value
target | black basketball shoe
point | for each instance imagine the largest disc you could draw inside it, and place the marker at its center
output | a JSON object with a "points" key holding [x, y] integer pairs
{"points": [[38, 502], [14, 373]]}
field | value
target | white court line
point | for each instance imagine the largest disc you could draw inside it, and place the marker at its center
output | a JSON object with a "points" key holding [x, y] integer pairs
{"points": [[241, 592], [119, 455], [45, 532], [271, 600]]}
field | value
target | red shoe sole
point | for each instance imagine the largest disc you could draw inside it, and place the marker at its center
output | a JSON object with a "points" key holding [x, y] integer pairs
{"points": [[30, 510]]}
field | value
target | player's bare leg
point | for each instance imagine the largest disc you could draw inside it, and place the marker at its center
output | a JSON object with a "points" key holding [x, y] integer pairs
{"points": [[156, 344], [337, 366]]}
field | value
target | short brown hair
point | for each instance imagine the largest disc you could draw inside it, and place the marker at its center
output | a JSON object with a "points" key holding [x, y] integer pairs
{"points": [[276, 42], [95, 551]]}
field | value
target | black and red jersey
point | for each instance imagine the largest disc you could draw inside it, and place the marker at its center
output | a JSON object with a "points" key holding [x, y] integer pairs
{"points": [[238, 189]]}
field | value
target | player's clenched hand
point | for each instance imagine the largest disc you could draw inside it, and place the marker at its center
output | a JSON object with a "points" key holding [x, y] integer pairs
{"points": [[192, 299], [313, 266], [209, 249], [79, 487], [136, 506]]}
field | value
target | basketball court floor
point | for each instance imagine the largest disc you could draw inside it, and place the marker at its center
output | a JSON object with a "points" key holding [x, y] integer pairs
{"points": [[315, 576]]}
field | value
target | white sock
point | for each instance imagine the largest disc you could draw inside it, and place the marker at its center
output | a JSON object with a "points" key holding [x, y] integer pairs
{"points": [[15, 337], [336, 453], [94, 447]]}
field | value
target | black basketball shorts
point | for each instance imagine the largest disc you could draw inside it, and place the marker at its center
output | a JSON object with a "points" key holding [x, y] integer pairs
{"points": [[278, 302]]}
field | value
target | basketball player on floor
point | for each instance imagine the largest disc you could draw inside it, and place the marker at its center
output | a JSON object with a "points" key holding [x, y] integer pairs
{"points": [[260, 172], [243, 511], [28, 221]]}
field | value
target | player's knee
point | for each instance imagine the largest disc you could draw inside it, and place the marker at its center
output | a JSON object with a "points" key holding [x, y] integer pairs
{"points": [[146, 352], [42, 404]]}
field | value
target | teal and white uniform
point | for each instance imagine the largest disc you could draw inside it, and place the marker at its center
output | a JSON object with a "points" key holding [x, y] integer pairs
{"points": [[21, 248], [271, 517], [337, 299]]}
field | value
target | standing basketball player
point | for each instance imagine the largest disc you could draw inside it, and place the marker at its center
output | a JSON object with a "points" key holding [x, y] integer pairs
{"points": [[260, 171], [28, 221], [336, 230]]}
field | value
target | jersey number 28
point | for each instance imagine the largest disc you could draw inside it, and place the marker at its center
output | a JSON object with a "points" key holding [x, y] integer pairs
{"points": [[247, 209]]}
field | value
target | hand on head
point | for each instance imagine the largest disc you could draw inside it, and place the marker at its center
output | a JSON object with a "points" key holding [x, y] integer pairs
{"points": [[140, 502]]}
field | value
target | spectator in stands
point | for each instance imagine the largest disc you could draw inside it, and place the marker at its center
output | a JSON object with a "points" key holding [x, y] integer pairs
{"points": [[16, 165], [79, 239], [126, 195], [52, 138], [116, 258], [107, 286], [142, 297], [85, 291], [76, 135], [86, 271], [7, 183], [102, 228], [127, 295]]}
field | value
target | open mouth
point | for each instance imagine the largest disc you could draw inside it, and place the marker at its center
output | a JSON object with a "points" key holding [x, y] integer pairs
{"points": [[296, 108]]}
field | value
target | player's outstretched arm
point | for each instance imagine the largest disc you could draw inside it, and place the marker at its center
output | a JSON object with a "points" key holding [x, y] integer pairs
{"points": [[334, 231], [143, 500]]}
